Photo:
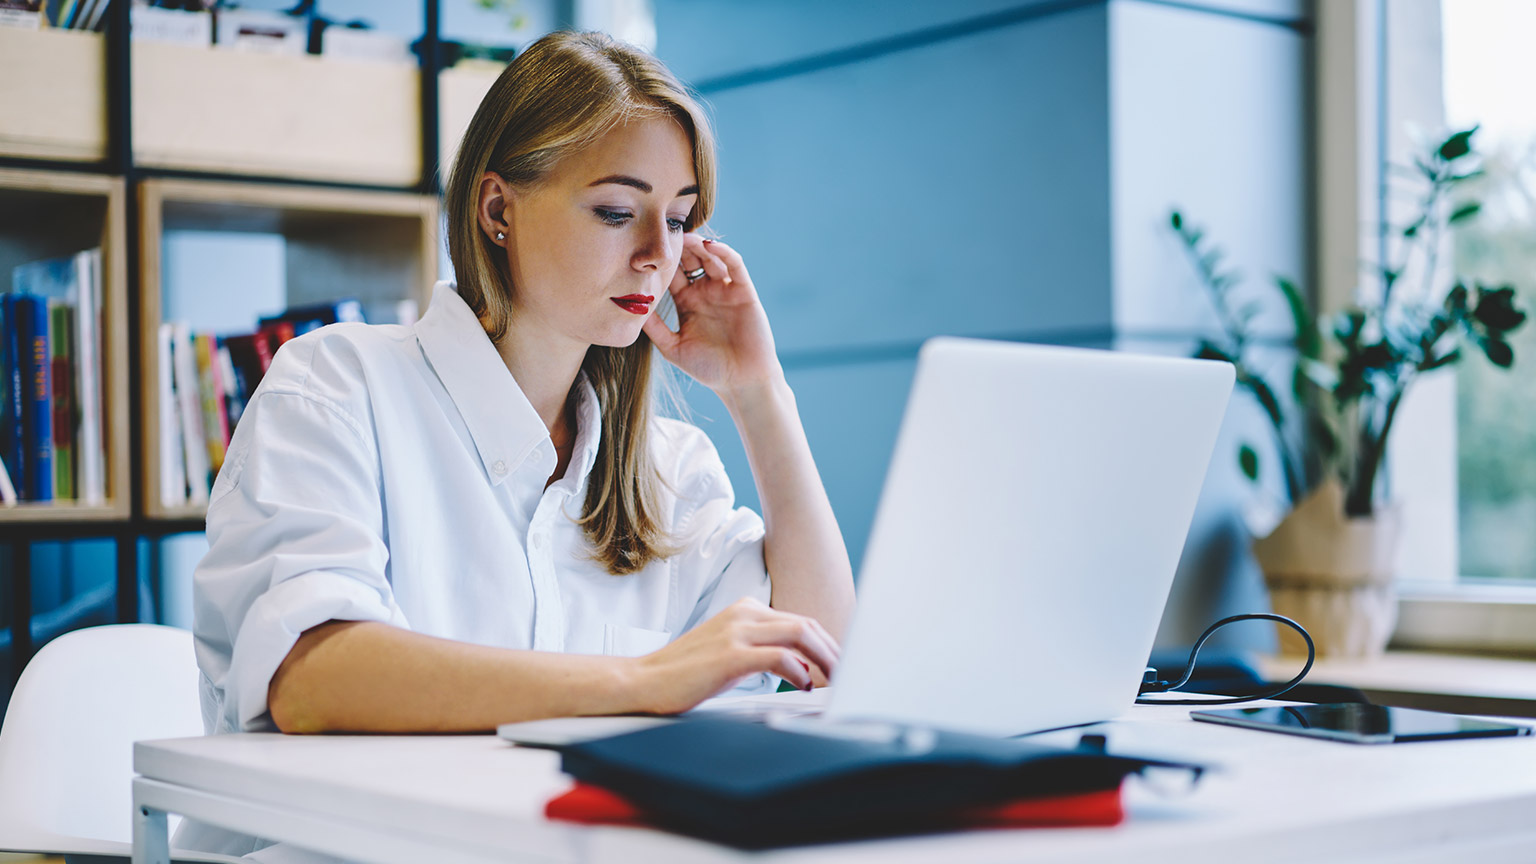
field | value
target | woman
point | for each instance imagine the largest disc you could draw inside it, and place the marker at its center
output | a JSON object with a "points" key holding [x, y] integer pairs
{"points": [[479, 520]]}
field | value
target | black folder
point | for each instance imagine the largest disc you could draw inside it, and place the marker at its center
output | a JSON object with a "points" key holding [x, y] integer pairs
{"points": [[754, 785]]}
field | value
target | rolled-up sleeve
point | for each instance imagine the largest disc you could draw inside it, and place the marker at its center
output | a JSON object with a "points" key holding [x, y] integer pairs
{"points": [[296, 538]]}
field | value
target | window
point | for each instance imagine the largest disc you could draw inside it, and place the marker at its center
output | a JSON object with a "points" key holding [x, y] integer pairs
{"points": [[1487, 72]]}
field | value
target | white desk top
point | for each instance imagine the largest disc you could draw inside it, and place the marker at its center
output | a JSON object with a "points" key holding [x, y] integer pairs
{"points": [[1276, 798]]}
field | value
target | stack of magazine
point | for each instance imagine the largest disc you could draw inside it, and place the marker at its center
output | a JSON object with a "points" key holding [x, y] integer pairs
{"points": [[52, 442], [205, 383]]}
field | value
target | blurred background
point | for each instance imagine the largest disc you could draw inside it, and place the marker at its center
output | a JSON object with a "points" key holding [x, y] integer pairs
{"points": [[1003, 169]]}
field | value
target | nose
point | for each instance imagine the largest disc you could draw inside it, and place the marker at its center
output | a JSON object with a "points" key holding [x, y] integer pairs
{"points": [[653, 252]]}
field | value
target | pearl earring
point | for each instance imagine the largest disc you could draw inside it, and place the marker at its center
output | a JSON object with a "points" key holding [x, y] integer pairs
{"points": [[500, 236]]}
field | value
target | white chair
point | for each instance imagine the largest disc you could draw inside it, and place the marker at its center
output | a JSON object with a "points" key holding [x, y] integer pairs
{"points": [[66, 749]]}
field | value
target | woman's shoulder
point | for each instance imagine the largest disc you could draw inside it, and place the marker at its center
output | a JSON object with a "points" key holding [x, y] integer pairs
{"points": [[337, 362]]}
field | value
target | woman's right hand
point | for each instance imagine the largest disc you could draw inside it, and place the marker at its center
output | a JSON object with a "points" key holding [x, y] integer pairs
{"points": [[744, 639]]}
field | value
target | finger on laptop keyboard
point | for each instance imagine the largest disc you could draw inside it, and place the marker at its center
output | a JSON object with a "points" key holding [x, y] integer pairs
{"points": [[801, 634], [788, 664]]}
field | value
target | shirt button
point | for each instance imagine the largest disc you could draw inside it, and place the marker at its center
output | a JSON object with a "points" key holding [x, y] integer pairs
{"points": [[538, 541], [499, 468]]}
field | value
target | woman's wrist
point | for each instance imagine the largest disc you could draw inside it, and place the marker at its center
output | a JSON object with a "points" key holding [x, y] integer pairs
{"points": [[747, 400]]}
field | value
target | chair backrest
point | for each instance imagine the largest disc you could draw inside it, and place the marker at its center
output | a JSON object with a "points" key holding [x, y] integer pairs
{"points": [[66, 749]]}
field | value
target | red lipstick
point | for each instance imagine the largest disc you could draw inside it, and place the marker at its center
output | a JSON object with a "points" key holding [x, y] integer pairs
{"points": [[638, 304]]}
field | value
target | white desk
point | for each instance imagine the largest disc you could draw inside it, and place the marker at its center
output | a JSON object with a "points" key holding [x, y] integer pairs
{"points": [[475, 799]]}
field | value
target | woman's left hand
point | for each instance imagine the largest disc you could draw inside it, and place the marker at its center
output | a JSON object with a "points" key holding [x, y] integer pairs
{"points": [[722, 339]]}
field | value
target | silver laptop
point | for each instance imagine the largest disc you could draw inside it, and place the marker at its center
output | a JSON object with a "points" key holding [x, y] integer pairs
{"points": [[1026, 539]]}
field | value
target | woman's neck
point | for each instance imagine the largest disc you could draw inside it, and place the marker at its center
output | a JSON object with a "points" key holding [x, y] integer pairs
{"points": [[545, 370]]}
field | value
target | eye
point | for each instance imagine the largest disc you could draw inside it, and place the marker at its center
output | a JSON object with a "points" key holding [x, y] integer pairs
{"points": [[676, 226], [612, 217]]}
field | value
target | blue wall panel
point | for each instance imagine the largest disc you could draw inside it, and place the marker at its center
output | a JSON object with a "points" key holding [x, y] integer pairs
{"points": [[955, 188]]}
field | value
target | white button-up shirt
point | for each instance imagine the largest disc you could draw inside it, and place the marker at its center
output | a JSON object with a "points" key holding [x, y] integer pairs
{"points": [[397, 474]]}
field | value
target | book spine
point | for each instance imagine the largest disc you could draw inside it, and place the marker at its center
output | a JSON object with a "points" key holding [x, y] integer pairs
{"points": [[210, 388], [61, 316], [173, 476], [14, 414], [40, 393], [234, 395], [264, 352], [7, 488], [188, 404], [90, 455]]}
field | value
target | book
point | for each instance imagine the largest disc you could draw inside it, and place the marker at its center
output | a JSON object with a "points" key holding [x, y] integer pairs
{"points": [[13, 419], [64, 13], [235, 394], [26, 14], [7, 488], [154, 24], [173, 471], [61, 318], [90, 449], [37, 399], [76, 281], [188, 406], [210, 388]]}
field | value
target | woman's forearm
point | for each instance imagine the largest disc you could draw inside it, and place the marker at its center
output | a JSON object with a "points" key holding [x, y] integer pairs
{"points": [[364, 676], [804, 549]]}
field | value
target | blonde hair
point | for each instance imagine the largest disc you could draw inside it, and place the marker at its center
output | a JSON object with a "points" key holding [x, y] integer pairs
{"points": [[560, 95]]}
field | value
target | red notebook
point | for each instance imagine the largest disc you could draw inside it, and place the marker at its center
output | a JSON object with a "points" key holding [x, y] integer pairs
{"points": [[593, 805]]}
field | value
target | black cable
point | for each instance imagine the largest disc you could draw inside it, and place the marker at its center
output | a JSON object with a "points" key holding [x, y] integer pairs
{"points": [[1164, 686]]}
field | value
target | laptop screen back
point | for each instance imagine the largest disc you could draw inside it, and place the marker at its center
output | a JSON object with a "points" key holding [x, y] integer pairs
{"points": [[1027, 535]]}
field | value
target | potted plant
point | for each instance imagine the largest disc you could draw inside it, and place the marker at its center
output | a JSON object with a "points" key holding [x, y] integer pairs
{"points": [[1329, 563]]}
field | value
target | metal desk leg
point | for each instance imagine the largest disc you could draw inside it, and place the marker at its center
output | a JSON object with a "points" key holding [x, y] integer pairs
{"points": [[151, 835]]}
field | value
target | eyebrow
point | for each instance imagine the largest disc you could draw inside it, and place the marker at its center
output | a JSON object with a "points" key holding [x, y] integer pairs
{"points": [[636, 182]]}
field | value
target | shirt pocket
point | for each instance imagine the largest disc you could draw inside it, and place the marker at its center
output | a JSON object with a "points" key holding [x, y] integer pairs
{"points": [[622, 640]]}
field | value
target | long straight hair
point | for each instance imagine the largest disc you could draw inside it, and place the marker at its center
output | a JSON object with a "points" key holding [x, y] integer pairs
{"points": [[560, 95]]}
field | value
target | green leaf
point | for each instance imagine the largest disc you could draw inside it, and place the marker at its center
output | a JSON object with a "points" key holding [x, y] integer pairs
{"points": [[1456, 146], [1308, 340], [1499, 353], [1248, 460], [1496, 310], [1177, 220], [1264, 395], [1456, 301], [1465, 211], [1470, 175], [1208, 351]]}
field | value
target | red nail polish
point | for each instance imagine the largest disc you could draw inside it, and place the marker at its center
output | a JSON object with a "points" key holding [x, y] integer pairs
{"points": [[707, 240]]}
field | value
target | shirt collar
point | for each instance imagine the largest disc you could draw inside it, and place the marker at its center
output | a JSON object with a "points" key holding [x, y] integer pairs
{"points": [[501, 420]]}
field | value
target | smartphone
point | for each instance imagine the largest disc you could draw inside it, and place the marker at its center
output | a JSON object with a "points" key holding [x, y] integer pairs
{"points": [[1361, 724]]}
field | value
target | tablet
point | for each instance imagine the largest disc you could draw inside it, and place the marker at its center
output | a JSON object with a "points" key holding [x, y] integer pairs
{"points": [[1361, 724]]}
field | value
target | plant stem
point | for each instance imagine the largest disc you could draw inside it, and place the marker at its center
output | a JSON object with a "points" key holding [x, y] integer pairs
{"points": [[1373, 447]]}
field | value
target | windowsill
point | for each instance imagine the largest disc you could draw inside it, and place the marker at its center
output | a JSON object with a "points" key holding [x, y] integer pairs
{"points": [[1485, 617], [1467, 647], [1424, 679]]}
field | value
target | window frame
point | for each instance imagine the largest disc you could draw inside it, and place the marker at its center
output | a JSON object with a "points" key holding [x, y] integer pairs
{"points": [[1355, 68]]}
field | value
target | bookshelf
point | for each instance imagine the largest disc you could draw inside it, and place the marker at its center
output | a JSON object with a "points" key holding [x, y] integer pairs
{"points": [[120, 144], [376, 246], [46, 214]]}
